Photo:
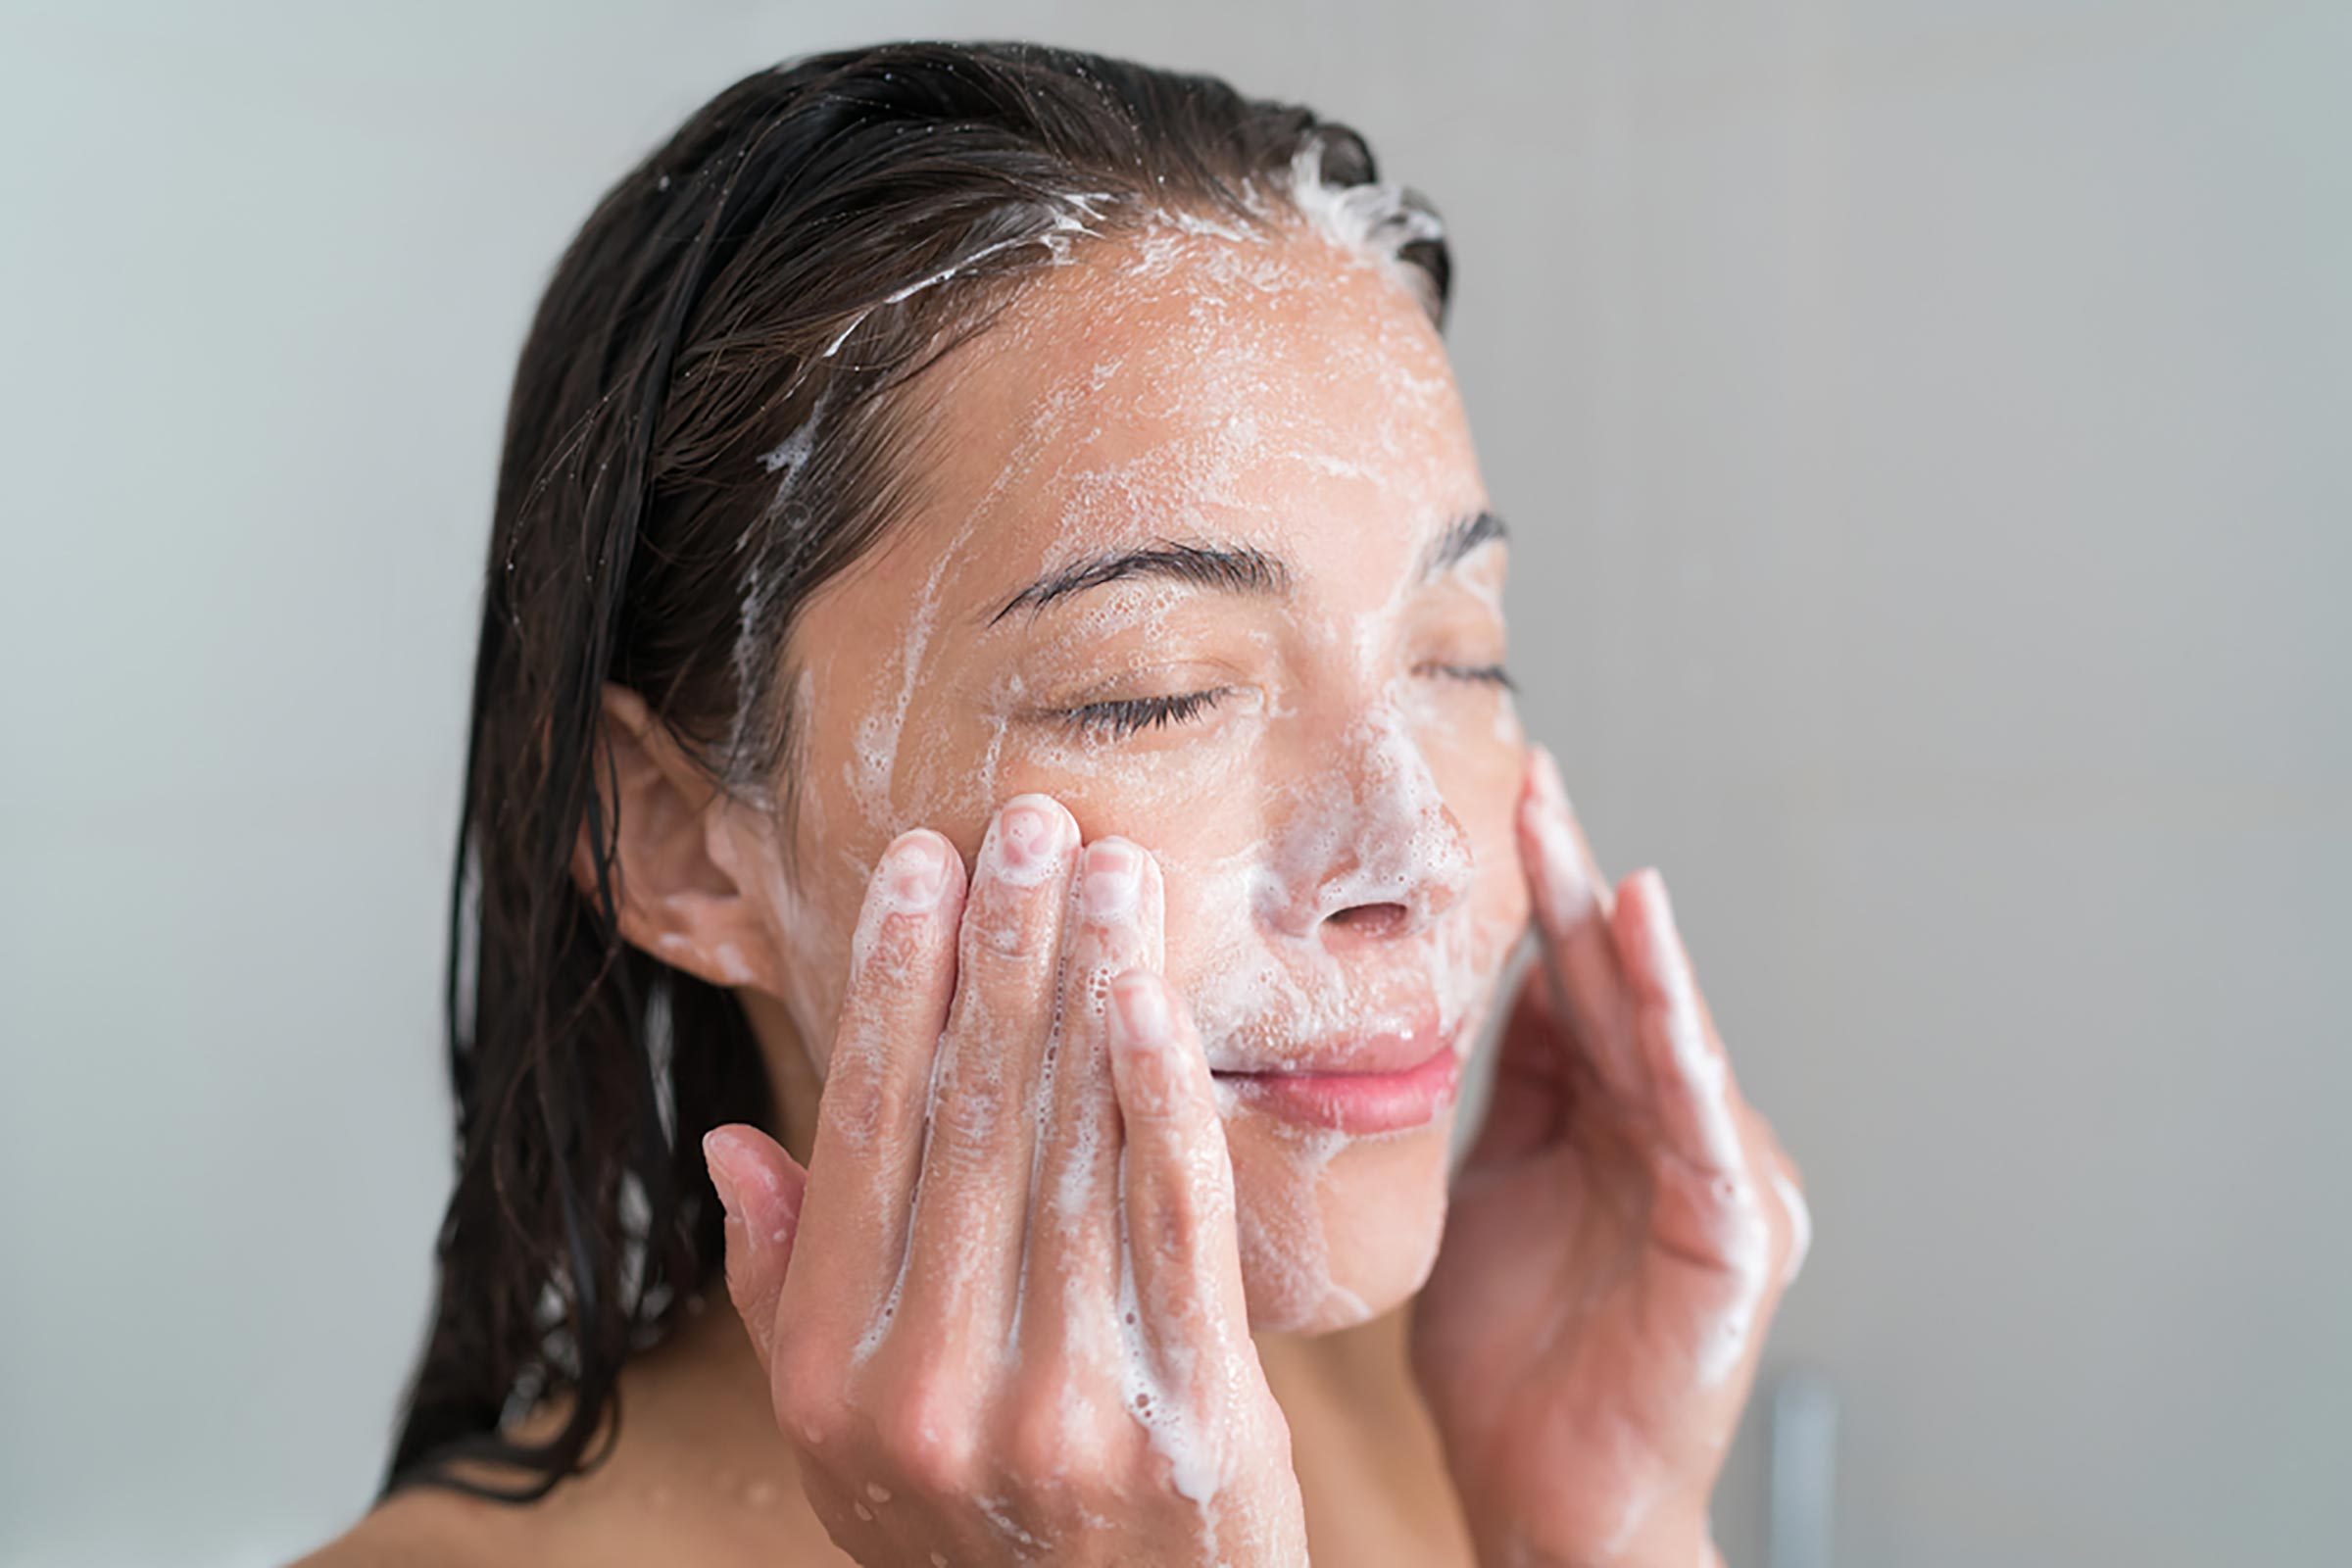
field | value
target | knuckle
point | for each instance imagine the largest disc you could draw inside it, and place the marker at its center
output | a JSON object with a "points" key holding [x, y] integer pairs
{"points": [[965, 1122], [1174, 1226], [893, 944], [1039, 1446], [863, 1101], [926, 1434], [1001, 938], [811, 1405]]}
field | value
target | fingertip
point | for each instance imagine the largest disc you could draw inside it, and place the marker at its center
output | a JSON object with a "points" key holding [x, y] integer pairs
{"points": [[1799, 1218], [1563, 891], [758, 1182], [1041, 801], [916, 871], [761, 1188], [1653, 893], [1110, 885], [718, 1158], [1028, 838], [1152, 1068], [1643, 920], [1154, 912], [1546, 787]]}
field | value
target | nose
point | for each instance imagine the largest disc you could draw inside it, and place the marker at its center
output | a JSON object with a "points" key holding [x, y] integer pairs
{"points": [[1370, 852]]}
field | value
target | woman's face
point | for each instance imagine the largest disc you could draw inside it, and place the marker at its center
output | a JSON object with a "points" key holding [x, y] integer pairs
{"points": [[1331, 797]]}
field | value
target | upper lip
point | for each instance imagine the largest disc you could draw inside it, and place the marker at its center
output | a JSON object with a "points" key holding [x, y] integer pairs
{"points": [[1394, 1046]]}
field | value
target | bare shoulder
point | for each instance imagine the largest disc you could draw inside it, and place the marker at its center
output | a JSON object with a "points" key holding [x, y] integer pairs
{"points": [[420, 1526]]}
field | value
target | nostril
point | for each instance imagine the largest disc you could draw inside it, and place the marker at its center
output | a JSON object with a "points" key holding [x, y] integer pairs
{"points": [[1374, 920]]}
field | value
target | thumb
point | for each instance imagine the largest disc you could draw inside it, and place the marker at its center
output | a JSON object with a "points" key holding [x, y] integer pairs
{"points": [[761, 1188]]}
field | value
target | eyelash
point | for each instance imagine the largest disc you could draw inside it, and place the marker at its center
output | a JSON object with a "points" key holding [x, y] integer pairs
{"points": [[1492, 674], [1128, 716]]}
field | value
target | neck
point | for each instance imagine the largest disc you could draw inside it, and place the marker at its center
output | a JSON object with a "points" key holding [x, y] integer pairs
{"points": [[790, 1071]]}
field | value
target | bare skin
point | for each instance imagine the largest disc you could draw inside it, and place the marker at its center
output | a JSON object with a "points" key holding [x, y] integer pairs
{"points": [[1093, 1044]]}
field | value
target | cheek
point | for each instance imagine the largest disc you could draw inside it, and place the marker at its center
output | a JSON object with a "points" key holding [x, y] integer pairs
{"points": [[813, 924], [1476, 754]]}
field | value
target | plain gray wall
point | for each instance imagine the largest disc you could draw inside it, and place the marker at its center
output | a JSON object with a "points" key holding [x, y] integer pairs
{"points": [[1924, 424]]}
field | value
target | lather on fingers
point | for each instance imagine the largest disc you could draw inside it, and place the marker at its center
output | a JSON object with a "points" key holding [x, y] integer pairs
{"points": [[965, 1257], [853, 1227], [1181, 1234], [1071, 1268]]}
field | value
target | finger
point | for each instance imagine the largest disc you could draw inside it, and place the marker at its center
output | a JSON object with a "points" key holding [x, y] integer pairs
{"points": [[1182, 1244], [1793, 1234], [964, 1262], [1710, 1205], [869, 1118], [1070, 1273], [761, 1188], [1574, 909], [1691, 1089], [1799, 1221]]}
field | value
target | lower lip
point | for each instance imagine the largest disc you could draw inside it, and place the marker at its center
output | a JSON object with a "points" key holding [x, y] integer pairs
{"points": [[1354, 1101]]}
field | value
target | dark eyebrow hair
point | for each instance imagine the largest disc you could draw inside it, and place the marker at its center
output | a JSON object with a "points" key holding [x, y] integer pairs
{"points": [[1236, 569], [1462, 536]]}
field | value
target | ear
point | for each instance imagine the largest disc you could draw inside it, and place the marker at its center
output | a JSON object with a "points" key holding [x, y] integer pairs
{"points": [[674, 887]]}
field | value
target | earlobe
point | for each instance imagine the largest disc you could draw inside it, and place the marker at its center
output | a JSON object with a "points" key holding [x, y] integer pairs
{"points": [[674, 898]]}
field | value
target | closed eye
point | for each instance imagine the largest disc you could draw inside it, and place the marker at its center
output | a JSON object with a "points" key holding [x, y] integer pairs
{"points": [[1125, 716], [1492, 674]]}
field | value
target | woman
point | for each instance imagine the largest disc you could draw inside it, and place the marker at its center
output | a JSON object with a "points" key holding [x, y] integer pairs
{"points": [[994, 816]]}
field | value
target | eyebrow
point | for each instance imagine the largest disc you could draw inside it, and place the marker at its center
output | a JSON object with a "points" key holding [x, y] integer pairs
{"points": [[1232, 568], [1462, 536], [1235, 568]]}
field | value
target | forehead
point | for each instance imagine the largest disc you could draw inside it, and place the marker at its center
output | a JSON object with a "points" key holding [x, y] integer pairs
{"points": [[1183, 383]]}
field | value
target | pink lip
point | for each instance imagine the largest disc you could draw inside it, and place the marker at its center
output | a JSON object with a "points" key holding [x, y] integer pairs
{"points": [[1381, 1083]]}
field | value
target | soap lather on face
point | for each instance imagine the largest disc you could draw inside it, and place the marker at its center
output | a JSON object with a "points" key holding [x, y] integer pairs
{"points": [[1330, 812]]}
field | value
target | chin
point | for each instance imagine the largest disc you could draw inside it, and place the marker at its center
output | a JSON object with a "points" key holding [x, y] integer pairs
{"points": [[1336, 1228]]}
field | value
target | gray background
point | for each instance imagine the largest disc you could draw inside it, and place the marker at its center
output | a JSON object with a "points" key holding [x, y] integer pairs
{"points": [[1924, 424]]}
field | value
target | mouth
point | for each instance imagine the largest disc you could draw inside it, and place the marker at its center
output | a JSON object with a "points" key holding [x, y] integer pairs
{"points": [[1387, 1081]]}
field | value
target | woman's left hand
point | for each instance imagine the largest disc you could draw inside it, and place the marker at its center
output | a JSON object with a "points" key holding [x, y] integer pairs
{"points": [[1616, 1241]]}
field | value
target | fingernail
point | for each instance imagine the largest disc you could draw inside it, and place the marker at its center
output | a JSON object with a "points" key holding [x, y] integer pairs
{"points": [[1665, 938], [1028, 837], [1549, 790], [721, 1177], [1139, 1010], [1655, 886], [916, 868], [1563, 890], [1113, 876]]}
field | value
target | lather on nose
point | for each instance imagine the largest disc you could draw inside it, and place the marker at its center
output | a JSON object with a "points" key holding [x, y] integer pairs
{"points": [[1369, 848]]}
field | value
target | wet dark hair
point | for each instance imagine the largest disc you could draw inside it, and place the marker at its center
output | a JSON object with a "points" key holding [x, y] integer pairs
{"points": [[716, 412]]}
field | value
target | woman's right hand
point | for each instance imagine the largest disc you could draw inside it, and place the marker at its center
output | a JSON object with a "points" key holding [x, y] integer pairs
{"points": [[995, 1331]]}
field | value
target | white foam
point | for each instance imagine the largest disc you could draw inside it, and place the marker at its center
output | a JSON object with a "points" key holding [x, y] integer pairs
{"points": [[1370, 825]]}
